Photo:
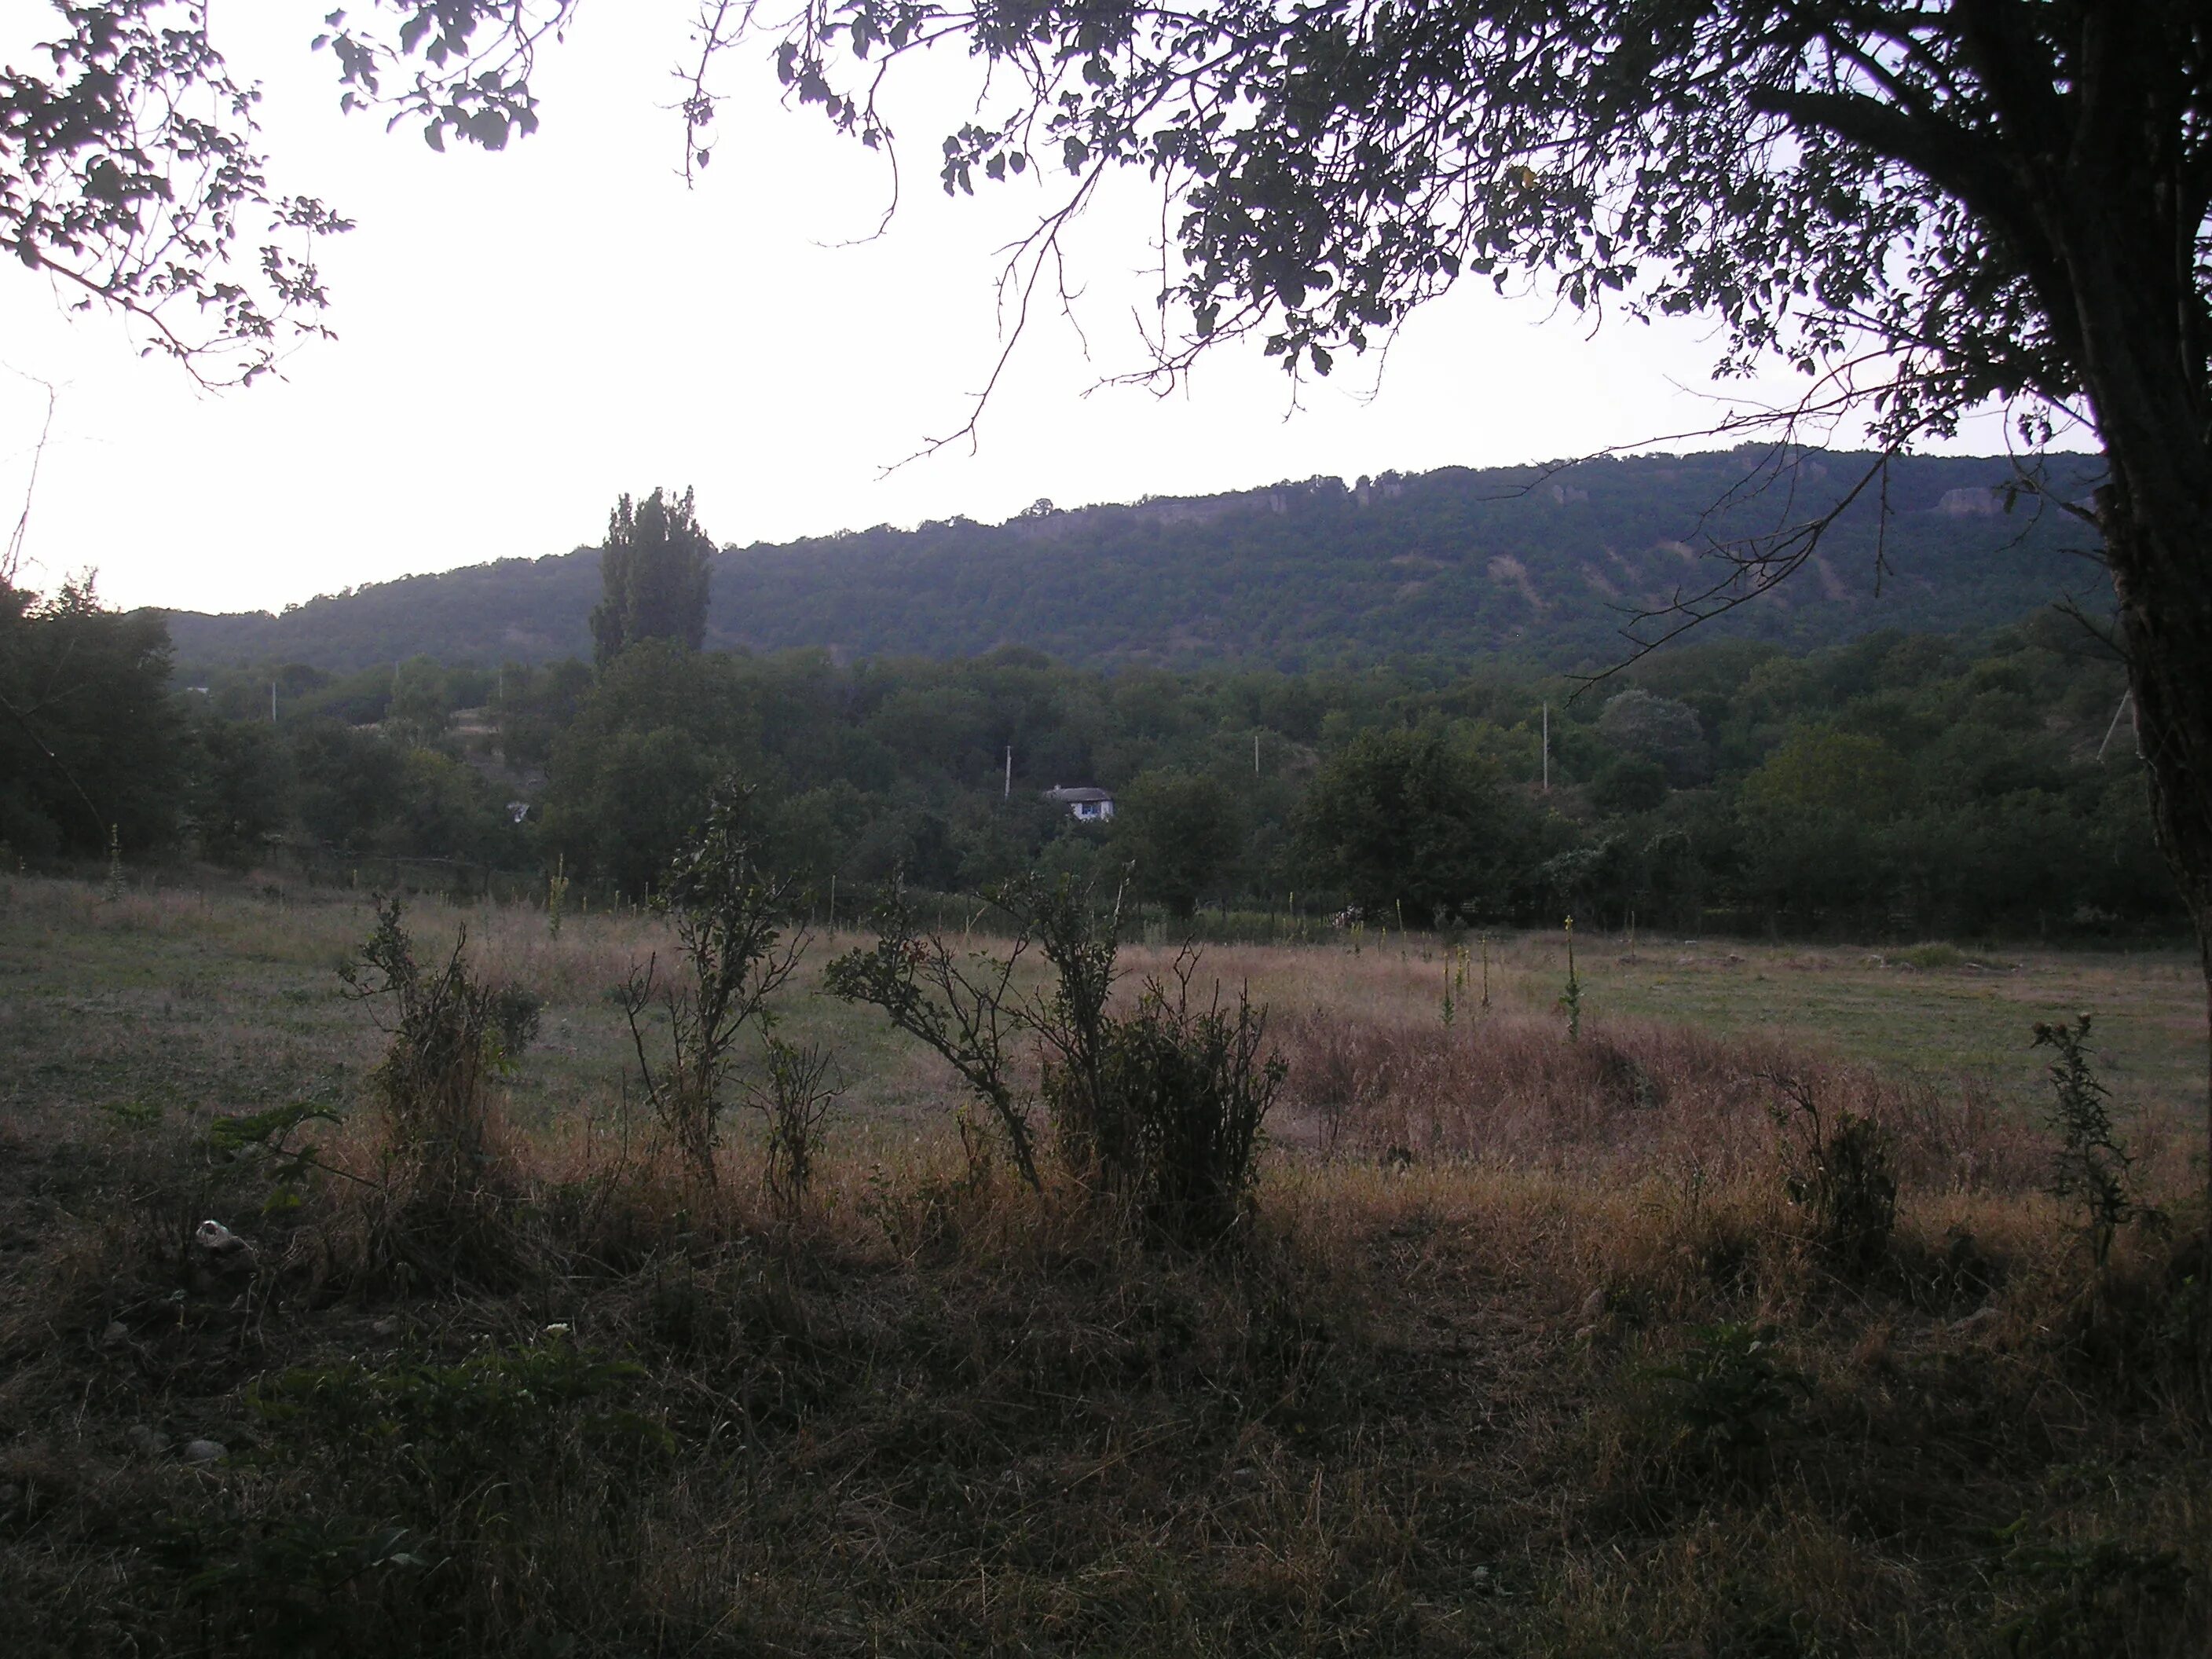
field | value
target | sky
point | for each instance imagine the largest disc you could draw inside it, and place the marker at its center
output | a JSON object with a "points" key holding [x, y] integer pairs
{"points": [[525, 336]]}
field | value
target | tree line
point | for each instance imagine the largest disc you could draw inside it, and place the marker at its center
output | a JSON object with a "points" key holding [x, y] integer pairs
{"points": [[1904, 783]]}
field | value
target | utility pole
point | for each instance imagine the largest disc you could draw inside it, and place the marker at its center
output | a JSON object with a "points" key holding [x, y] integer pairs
{"points": [[1009, 793], [1548, 748], [272, 702], [1255, 754]]}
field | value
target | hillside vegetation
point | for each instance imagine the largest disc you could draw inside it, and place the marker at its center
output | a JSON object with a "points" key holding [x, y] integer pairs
{"points": [[1537, 565], [1901, 786]]}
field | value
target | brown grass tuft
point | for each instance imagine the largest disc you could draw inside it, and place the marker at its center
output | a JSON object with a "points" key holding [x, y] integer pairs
{"points": [[1628, 1097]]}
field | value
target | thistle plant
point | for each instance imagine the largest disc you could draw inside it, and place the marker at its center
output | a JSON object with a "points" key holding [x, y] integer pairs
{"points": [[114, 889], [2091, 1169], [556, 893], [1570, 999]]}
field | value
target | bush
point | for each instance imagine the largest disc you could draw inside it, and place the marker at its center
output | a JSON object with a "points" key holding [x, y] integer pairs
{"points": [[446, 1039], [271, 1144], [443, 1209], [410, 1507], [2105, 1597], [1937, 953], [729, 918], [1841, 1179], [1160, 1109], [961, 1005], [1174, 1109], [300, 1584], [516, 1014], [438, 1432]]}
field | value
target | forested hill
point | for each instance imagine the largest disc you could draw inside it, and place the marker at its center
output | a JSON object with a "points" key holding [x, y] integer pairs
{"points": [[1540, 566]]}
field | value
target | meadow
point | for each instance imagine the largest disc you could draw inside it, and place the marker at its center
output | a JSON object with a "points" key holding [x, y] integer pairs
{"points": [[1533, 1340]]}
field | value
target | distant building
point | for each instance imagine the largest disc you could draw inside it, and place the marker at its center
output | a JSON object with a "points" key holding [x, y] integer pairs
{"points": [[1091, 805]]}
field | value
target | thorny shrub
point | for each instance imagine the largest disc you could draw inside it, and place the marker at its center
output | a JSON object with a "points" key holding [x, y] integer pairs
{"points": [[729, 916], [961, 1004], [1159, 1109], [451, 1034], [1175, 1104]]}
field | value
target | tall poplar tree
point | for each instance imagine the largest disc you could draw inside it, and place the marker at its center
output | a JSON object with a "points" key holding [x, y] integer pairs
{"points": [[653, 563]]}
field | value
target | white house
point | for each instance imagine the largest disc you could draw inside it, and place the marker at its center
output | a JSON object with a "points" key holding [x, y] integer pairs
{"points": [[1089, 804]]}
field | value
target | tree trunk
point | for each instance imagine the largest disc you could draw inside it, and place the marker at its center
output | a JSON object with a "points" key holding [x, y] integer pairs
{"points": [[2163, 573], [2142, 365]]}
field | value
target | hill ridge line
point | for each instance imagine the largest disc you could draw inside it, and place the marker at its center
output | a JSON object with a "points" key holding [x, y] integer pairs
{"points": [[1537, 563]]}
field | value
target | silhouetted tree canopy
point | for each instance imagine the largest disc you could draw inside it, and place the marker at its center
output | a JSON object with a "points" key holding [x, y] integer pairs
{"points": [[131, 171], [88, 730]]}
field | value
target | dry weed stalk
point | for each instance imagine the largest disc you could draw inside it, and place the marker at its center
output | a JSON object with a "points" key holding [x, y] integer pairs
{"points": [[796, 1099]]}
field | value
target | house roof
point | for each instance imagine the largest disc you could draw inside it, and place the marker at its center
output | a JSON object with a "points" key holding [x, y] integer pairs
{"points": [[1077, 796]]}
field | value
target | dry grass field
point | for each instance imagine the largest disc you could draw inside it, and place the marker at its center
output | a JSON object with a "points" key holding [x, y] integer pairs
{"points": [[1530, 1345]]}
